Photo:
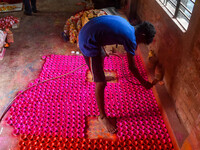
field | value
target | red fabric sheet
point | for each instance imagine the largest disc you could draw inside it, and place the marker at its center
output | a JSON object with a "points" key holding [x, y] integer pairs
{"points": [[11, 1]]}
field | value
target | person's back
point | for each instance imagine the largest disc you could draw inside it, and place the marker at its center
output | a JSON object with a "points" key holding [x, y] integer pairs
{"points": [[106, 30]]}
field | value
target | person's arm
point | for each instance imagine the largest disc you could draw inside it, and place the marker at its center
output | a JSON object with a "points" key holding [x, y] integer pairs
{"points": [[135, 71]]}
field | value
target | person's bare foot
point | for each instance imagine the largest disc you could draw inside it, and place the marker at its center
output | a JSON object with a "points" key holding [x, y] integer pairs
{"points": [[107, 125]]}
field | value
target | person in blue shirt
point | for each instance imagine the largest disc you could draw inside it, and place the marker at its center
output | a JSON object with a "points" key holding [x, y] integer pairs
{"points": [[107, 30]]}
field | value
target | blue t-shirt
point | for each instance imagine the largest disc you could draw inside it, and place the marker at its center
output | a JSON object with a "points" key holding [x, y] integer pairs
{"points": [[106, 30]]}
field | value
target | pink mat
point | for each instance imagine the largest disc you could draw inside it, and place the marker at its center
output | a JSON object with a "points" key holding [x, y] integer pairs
{"points": [[59, 107]]}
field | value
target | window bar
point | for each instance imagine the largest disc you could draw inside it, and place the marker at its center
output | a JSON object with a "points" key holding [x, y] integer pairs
{"points": [[177, 8], [172, 3], [181, 24], [184, 14], [186, 8], [168, 8], [165, 2], [193, 1], [169, 11]]}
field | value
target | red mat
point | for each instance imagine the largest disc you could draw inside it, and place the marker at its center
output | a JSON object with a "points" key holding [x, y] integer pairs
{"points": [[53, 114]]}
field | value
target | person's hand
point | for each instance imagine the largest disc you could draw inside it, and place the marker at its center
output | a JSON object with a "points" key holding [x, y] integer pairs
{"points": [[155, 81], [147, 84]]}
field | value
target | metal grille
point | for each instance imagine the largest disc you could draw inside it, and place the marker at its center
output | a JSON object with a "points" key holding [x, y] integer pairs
{"points": [[181, 10]]}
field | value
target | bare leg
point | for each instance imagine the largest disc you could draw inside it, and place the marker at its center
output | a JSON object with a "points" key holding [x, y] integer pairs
{"points": [[108, 78], [99, 93]]}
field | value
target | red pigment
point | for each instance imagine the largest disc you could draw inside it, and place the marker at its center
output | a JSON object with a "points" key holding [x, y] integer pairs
{"points": [[52, 114]]}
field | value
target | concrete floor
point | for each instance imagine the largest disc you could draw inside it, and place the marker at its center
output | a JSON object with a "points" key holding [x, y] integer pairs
{"points": [[40, 35], [37, 35]]}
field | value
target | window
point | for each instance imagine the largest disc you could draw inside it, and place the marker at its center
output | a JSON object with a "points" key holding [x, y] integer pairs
{"points": [[180, 10]]}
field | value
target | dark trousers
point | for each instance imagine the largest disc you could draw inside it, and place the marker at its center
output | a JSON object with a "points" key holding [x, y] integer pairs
{"points": [[30, 5]]}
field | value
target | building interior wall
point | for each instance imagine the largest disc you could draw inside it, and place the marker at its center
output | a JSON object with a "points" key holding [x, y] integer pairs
{"points": [[179, 54]]}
